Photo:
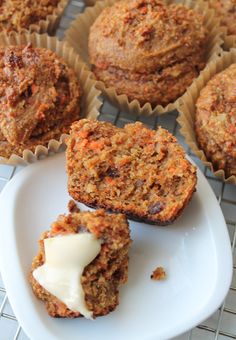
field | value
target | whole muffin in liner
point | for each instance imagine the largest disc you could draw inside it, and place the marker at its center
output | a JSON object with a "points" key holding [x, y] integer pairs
{"points": [[31, 16], [53, 140], [188, 111], [77, 35]]}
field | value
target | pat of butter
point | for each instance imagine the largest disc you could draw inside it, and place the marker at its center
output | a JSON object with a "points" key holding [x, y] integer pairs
{"points": [[65, 260]]}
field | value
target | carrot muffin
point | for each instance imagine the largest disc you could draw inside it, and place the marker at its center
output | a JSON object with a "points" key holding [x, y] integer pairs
{"points": [[39, 98], [16, 15], [139, 172], [84, 279], [215, 122], [147, 49], [226, 11]]}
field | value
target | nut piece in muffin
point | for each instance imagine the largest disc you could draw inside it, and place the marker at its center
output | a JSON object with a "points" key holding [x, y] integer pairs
{"points": [[39, 98], [133, 170], [17, 15], [148, 50], [226, 11], [81, 263], [215, 121]]}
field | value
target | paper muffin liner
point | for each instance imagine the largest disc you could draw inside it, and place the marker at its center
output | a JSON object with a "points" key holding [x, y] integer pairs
{"points": [[77, 36], [47, 25], [90, 103], [229, 41], [187, 109]]}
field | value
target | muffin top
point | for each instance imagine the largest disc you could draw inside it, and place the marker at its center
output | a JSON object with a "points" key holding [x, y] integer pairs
{"points": [[16, 15], [216, 112], [37, 92], [145, 35], [226, 10]]}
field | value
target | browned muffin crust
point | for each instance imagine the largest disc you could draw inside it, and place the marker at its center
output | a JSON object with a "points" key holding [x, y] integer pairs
{"points": [[16, 15], [215, 122], [155, 87], [139, 172], [146, 44], [103, 276], [226, 11], [38, 93]]}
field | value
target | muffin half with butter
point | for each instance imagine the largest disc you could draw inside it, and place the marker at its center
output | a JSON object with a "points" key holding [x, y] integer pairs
{"points": [[81, 263]]}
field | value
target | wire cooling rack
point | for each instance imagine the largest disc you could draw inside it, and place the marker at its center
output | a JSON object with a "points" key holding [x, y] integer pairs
{"points": [[222, 324]]}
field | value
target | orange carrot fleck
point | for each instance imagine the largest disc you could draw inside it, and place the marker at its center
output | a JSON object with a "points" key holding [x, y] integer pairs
{"points": [[94, 145], [83, 134], [34, 88], [110, 181]]}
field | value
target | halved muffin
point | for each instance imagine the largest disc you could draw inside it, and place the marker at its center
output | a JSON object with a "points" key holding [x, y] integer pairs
{"points": [[133, 170], [98, 240]]}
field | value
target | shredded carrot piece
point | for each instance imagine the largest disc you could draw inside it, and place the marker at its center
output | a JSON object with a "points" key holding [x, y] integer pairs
{"points": [[34, 88], [110, 181], [124, 161], [94, 145], [83, 134]]}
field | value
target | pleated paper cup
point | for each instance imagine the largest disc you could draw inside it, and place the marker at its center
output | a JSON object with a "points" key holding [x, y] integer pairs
{"points": [[47, 25], [78, 34], [90, 103], [229, 41], [187, 110]]}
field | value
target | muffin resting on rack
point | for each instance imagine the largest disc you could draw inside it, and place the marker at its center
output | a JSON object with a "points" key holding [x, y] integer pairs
{"points": [[147, 49], [40, 98], [215, 121], [17, 15]]}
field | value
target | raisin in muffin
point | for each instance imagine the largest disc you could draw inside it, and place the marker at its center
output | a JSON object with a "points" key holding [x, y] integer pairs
{"points": [[140, 172], [147, 49], [17, 15], [226, 11], [102, 277], [215, 121], [39, 98]]}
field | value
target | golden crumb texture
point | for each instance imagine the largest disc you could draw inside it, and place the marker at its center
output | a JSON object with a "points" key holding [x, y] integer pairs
{"points": [[133, 170]]}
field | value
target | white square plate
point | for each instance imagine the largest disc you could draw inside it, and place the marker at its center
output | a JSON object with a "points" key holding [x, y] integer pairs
{"points": [[195, 251]]}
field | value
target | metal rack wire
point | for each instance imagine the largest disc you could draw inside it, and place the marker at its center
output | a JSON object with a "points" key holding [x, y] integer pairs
{"points": [[222, 324]]}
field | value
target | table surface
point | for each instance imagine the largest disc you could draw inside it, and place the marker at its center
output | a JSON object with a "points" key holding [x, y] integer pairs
{"points": [[222, 324]]}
